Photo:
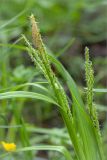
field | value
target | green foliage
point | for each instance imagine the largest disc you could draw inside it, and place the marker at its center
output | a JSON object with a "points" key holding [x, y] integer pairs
{"points": [[40, 57], [78, 18], [23, 87]]}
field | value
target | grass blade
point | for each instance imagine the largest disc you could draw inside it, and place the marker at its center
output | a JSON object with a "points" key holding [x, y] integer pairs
{"points": [[60, 149], [26, 94]]}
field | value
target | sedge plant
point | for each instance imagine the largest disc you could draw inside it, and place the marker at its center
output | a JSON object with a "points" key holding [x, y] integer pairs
{"points": [[81, 122], [82, 125]]}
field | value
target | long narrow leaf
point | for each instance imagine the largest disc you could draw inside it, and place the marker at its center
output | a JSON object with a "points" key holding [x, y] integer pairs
{"points": [[60, 149], [26, 94]]}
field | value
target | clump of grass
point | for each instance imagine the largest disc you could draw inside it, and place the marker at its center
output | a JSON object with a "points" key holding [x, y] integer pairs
{"points": [[83, 128], [82, 125]]}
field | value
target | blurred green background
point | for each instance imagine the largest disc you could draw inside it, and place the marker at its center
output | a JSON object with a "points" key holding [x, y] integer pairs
{"points": [[67, 26]]}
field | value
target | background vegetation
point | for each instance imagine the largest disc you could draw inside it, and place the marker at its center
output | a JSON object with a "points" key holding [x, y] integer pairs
{"points": [[67, 26]]}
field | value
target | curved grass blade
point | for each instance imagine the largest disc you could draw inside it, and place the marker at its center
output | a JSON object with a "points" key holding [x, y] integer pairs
{"points": [[12, 19], [13, 46], [26, 94], [60, 149], [36, 84], [54, 131], [63, 50]]}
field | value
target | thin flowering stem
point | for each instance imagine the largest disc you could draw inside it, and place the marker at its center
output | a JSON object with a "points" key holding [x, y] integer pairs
{"points": [[40, 57]]}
